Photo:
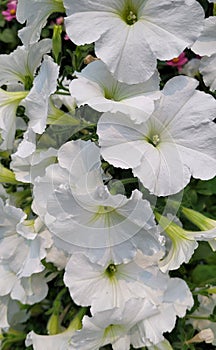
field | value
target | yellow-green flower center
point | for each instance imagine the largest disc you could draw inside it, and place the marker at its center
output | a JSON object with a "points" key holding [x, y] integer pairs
{"points": [[131, 18], [129, 13], [111, 270], [153, 139]]}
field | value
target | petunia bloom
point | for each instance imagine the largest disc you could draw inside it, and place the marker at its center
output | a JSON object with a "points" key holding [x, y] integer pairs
{"points": [[139, 323], [130, 35], [204, 223], [110, 286], [96, 87], [182, 243], [175, 143], [109, 226], [18, 71]]}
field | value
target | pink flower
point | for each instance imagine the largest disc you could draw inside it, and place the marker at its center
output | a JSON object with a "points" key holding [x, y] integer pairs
{"points": [[10, 13], [60, 20], [178, 61], [66, 37]]}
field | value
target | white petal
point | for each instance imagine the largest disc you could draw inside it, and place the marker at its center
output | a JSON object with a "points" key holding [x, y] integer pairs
{"points": [[36, 102], [208, 70], [166, 37], [46, 184], [51, 342], [79, 158], [9, 102], [32, 289], [28, 168], [180, 252], [35, 12], [206, 43], [3, 311]]}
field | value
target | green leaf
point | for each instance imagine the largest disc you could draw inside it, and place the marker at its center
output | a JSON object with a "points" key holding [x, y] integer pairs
{"points": [[7, 36], [2, 21], [7, 176], [204, 274], [207, 188]]}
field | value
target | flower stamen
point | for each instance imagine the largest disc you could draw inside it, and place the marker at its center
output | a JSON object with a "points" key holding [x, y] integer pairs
{"points": [[131, 18], [111, 270], [155, 140]]}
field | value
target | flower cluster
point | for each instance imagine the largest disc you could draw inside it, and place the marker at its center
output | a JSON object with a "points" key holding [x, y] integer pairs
{"points": [[10, 13], [68, 138]]}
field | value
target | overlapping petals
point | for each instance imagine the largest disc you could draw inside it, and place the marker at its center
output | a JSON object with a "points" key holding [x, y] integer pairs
{"points": [[133, 34], [175, 143]]}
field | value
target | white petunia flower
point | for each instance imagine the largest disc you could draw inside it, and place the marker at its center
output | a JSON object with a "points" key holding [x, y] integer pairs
{"points": [[77, 201], [20, 65], [130, 35], [175, 143], [111, 326], [96, 87], [109, 226], [207, 225], [183, 243], [35, 101], [110, 286], [139, 323], [105, 226], [36, 13]]}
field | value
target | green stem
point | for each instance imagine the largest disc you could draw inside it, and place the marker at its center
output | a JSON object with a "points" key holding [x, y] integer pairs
{"points": [[198, 317], [129, 180], [62, 93]]}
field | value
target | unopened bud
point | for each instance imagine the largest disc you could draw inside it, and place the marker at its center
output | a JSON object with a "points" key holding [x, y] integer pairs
{"points": [[206, 335], [89, 58], [53, 326]]}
